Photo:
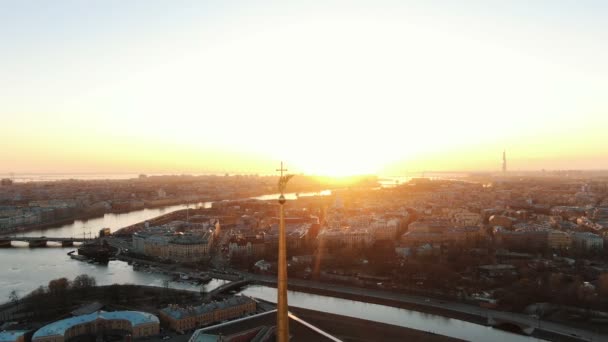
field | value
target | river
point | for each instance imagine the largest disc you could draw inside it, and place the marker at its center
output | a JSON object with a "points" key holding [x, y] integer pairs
{"points": [[44, 264], [91, 227], [390, 315], [24, 269]]}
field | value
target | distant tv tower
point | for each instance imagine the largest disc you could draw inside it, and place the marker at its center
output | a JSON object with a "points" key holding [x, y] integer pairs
{"points": [[504, 161]]}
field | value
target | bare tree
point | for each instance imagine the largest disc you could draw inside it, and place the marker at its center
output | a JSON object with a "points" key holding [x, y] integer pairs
{"points": [[13, 297], [59, 286], [40, 291], [84, 281]]}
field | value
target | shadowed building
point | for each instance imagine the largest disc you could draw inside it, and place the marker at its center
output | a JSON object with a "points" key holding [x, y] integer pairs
{"points": [[13, 336], [261, 328], [135, 323]]}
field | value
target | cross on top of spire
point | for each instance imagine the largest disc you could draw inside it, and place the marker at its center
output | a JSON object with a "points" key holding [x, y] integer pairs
{"points": [[283, 179], [281, 169]]}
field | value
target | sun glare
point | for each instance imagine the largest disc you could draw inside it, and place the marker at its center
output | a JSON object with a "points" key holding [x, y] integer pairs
{"points": [[348, 95]]}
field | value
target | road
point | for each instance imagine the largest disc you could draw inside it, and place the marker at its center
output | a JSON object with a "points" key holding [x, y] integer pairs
{"points": [[218, 259]]}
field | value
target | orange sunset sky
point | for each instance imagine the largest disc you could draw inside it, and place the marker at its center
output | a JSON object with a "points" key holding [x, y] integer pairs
{"points": [[331, 88]]}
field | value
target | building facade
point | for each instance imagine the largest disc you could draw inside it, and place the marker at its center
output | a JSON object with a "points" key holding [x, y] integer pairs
{"points": [[186, 318], [176, 247], [587, 241], [135, 323], [13, 336]]}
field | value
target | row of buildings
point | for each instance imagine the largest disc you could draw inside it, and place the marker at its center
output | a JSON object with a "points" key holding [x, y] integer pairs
{"points": [[169, 243], [525, 237], [301, 235], [540, 238], [252, 242], [184, 318], [137, 324], [12, 217]]}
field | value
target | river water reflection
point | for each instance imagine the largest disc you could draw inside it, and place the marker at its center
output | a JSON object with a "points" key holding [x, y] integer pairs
{"points": [[24, 269], [390, 315], [92, 226], [44, 264], [82, 228]]}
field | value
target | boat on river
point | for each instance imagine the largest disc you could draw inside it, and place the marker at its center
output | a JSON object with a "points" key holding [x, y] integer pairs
{"points": [[99, 252]]}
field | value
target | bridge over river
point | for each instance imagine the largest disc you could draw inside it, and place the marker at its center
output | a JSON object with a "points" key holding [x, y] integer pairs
{"points": [[40, 241], [233, 285]]}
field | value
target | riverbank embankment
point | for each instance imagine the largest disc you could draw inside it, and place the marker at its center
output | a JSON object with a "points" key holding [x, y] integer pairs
{"points": [[549, 331], [350, 329]]}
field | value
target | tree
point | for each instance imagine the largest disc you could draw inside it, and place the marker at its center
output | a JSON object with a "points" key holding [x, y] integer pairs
{"points": [[58, 286], [40, 291], [13, 297], [83, 281]]}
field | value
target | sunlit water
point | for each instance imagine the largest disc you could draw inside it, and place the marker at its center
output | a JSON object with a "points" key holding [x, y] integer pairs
{"points": [[24, 269], [91, 227], [44, 264], [386, 314], [82, 228]]}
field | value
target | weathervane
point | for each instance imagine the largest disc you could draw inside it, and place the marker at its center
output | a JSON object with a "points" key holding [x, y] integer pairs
{"points": [[283, 183]]}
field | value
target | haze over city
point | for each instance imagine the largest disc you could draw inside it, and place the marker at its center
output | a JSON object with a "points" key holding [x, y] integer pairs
{"points": [[296, 171], [332, 88]]}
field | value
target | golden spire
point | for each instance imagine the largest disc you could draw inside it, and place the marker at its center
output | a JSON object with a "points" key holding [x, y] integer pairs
{"points": [[282, 308]]}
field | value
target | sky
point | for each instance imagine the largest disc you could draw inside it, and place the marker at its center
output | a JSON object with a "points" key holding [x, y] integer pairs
{"points": [[329, 87]]}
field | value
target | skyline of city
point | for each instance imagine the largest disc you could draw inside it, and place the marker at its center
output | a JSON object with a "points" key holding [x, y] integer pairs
{"points": [[32, 176]]}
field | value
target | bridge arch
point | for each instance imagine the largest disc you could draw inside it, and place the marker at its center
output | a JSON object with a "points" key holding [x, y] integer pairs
{"points": [[511, 326]]}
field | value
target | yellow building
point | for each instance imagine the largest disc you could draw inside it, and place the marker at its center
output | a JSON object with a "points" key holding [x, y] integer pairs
{"points": [[181, 318], [180, 248], [188, 248]]}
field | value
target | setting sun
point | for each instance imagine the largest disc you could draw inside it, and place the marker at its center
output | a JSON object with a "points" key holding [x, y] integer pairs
{"points": [[355, 92]]}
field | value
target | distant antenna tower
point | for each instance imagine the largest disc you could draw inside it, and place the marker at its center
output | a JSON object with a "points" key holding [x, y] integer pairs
{"points": [[504, 161]]}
